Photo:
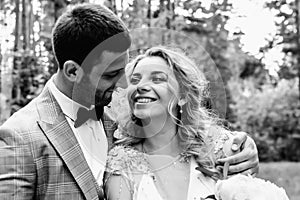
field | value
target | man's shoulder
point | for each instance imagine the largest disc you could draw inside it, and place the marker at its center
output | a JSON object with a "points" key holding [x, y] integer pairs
{"points": [[25, 117], [28, 116]]}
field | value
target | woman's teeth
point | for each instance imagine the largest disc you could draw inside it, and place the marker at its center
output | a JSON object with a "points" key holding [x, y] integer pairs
{"points": [[144, 100]]}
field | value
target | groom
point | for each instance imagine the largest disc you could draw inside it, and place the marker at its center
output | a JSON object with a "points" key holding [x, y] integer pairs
{"points": [[56, 146]]}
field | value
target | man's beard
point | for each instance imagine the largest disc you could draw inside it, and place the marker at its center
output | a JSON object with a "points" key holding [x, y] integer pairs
{"points": [[103, 99]]}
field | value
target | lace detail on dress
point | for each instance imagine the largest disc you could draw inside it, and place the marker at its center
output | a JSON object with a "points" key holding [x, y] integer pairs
{"points": [[214, 141], [124, 159], [219, 144], [129, 163]]}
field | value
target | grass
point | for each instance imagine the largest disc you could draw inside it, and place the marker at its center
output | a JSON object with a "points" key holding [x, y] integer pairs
{"points": [[283, 174]]}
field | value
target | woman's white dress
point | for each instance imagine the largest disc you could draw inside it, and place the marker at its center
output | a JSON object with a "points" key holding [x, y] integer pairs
{"points": [[137, 169]]}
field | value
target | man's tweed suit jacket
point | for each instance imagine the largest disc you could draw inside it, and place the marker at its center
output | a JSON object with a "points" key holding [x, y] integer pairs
{"points": [[40, 157]]}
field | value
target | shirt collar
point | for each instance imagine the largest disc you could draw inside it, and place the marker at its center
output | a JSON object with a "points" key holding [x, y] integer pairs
{"points": [[68, 106]]}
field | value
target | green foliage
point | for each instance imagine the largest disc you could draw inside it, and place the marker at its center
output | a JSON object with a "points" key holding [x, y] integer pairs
{"points": [[271, 114], [283, 174], [287, 35]]}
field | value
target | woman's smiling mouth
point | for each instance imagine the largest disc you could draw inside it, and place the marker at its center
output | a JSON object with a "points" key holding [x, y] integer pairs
{"points": [[144, 100]]}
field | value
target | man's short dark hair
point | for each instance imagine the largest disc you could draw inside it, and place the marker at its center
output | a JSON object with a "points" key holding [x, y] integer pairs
{"points": [[79, 30]]}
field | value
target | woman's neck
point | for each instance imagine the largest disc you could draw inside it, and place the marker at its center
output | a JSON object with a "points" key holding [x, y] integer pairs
{"points": [[161, 138]]}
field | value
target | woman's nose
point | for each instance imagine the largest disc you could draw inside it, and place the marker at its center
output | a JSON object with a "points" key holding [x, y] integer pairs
{"points": [[142, 88]]}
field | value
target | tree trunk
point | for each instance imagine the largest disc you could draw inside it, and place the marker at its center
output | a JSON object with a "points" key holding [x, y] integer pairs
{"points": [[0, 71], [168, 23], [122, 9], [298, 42], [23, 53], [17, 32], [24, 25], [58, 6], [30, 27], [170, 19], [161, 10], [17, 55], [149, 14], [161, 6], [111, 4], [114, 6]]}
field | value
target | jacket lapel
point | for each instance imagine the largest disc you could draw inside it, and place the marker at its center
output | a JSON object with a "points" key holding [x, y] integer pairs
{"points": [[56, 128]]}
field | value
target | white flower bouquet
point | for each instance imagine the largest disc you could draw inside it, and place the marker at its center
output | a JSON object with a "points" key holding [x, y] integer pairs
{"points": [[242, 187]]}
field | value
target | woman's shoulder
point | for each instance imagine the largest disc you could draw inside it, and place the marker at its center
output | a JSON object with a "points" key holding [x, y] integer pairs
{"points": [[126, 159]]}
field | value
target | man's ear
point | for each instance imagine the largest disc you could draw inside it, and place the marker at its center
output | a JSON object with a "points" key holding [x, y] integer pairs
{"points": [[72, 71]]}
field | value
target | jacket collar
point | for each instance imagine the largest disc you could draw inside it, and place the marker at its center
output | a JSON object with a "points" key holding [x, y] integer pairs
{"points": [[56, 128]]}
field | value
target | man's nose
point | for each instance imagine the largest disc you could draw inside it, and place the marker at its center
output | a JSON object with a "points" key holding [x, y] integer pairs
{"points": [[122, 83]]}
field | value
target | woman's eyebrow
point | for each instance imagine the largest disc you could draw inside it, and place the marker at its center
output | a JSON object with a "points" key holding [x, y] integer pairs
{"points": [[158, 72], [135, 74], [152, 73]]}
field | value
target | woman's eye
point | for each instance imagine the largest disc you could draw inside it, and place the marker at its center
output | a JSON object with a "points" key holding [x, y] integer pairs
{"points": [[159, 79], [134, 80]]}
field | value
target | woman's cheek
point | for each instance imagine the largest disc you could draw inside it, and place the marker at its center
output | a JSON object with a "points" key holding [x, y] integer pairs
{"points": [[130, 90]]}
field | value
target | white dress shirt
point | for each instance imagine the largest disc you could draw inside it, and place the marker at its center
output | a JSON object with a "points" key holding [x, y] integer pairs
{"points": [[90, 135]]}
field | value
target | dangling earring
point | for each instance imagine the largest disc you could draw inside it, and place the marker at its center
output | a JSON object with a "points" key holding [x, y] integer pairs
{"points": [[181, 102]]}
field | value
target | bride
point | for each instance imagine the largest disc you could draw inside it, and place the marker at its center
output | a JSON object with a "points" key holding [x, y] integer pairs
{"points": [[168, 136]]}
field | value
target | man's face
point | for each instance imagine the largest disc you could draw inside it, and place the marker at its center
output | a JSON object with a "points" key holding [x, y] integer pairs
{"points": [[96, 87]]}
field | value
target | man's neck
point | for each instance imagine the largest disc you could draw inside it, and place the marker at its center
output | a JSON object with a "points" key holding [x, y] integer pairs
{"points": [[62, 85], [66, 87]]}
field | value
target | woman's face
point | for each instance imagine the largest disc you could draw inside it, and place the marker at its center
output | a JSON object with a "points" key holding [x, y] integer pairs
{"points": [[151, 86]]}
